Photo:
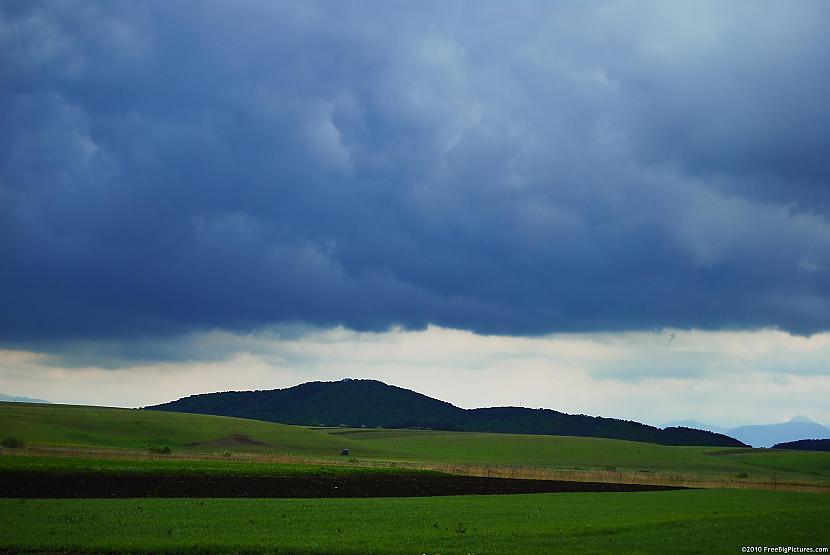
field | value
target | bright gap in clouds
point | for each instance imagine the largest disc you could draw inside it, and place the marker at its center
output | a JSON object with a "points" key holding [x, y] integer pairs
{"points": [[725, 378]]}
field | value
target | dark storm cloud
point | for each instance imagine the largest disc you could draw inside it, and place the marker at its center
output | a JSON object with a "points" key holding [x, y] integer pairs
{"points": [[168, 167]]}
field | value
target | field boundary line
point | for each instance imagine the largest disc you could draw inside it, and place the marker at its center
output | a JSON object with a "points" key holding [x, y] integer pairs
{"points": [[626, 476]]}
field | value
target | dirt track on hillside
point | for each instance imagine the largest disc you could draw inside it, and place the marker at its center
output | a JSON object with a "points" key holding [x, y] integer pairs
{"points": [[84, 485]]}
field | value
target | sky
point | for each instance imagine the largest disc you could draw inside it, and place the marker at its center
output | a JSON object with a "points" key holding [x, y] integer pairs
{"points": [[610, 208]]}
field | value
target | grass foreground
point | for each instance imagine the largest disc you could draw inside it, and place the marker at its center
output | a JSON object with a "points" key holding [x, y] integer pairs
{"points": [[125, 432], [691, 521], [95, 441]]}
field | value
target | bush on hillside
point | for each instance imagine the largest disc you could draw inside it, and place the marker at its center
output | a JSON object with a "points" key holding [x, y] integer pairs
{"points": [[13, 442], [156, 450]]}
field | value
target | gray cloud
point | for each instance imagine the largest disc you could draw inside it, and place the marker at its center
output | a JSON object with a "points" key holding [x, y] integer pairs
{"points": [[523, 169]]}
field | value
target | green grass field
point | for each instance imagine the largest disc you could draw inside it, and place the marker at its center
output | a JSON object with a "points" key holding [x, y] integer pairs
{"points": [[804, 462], [232, 467], [107, 428], [536, 450], [693, 521], [102, 440], [81, 426]]}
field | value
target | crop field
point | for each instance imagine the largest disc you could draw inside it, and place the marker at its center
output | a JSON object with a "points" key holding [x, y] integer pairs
{"points": [[235, 485], [814, 463], [81, 426], [692, 521], [554, 451], [197, 440], [132, 463]]}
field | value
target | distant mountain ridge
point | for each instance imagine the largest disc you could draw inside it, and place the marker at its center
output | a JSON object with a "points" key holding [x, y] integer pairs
{"points": [[768, 435], [17, 399], [370, 403]]}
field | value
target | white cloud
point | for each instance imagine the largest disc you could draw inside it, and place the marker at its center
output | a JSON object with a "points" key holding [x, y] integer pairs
{"points": [[727, 378]]}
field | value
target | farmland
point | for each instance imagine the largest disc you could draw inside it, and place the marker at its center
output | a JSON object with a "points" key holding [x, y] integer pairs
{"points": [[712, 521], [82, 426], [201, 442], [91, 445]]}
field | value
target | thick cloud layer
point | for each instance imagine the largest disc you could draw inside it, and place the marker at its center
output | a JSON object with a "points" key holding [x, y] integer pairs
{"points": [[502, 168], [728, 378]]}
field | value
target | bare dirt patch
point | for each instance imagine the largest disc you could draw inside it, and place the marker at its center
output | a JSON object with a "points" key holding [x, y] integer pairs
{"points": [[87, 485]]}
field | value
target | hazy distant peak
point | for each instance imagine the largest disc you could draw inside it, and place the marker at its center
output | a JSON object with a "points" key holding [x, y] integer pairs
{"points": [[16, 399], [801, 418], [766, 435]]}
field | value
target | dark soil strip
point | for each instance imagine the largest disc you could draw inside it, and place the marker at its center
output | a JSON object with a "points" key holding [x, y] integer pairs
{"points": [[86, 485]]}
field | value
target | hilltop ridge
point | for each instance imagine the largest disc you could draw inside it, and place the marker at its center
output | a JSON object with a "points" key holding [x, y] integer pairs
{"points": [[371, 403]]}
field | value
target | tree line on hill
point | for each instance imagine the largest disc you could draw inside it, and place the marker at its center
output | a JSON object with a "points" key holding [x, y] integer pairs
{"points": [[805, 445], [372, 404]]}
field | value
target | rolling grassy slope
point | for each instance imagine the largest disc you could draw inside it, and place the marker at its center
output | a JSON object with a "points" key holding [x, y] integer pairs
{"points": [[535, 450], [805, 462], [82, 426], [581, 453], [78, 426], [692, 521]]}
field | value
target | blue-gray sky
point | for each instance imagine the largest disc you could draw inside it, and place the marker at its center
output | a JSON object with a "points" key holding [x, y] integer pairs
{"points": [[512, 169]]}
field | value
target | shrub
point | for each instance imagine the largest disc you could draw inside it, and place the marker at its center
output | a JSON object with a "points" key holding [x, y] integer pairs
{"points": [[742, 475], [155, 449], [226, 453], [13, 442]]}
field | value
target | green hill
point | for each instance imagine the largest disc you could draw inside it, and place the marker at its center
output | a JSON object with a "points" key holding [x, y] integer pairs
{"points": [[805, 445], [84, 426], [370, 403], [125, 430]]}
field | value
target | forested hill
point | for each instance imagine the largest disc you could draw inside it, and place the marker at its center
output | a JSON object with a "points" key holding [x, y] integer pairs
{"points": [[805, 445], [370, 403]]}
